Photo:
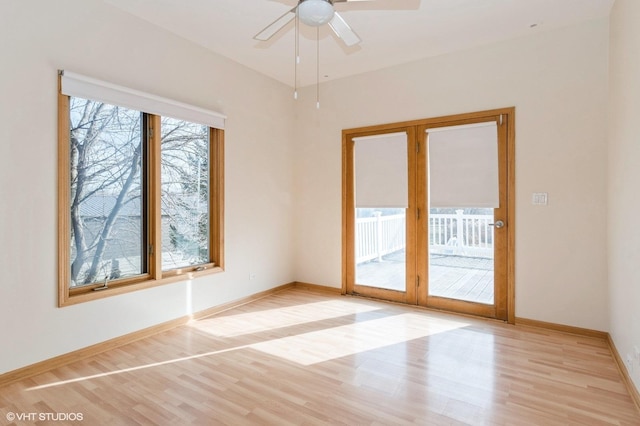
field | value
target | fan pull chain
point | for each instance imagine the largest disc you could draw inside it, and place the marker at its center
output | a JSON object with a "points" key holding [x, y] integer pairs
{"points": [[318, 67], [297, 56]]}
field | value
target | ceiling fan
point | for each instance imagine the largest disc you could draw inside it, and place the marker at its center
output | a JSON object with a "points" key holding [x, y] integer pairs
{"points": [[314, 13]]}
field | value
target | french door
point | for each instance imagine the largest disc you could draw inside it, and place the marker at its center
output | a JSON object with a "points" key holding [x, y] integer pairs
{"points": [[427, 213]]}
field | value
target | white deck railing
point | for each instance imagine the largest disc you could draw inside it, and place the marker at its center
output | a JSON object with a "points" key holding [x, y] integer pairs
{"points": [[453, 234], [379, 235], [460, 234]]}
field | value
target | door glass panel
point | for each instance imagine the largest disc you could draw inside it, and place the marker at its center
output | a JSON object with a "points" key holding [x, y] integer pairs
{"points": [[382, 198], [461, 247], [463, 191], [380, 248]]}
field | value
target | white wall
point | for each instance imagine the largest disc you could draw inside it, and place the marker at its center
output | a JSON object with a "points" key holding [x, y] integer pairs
{"points": [[87, 36], [624, 180], [557, 81]]}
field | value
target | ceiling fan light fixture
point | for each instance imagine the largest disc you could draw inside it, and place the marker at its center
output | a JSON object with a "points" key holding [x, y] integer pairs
{"points": [[315, 12]]}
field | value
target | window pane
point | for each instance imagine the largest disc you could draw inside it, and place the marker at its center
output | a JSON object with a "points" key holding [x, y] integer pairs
{"points": [[106, 203], [185, 194]]}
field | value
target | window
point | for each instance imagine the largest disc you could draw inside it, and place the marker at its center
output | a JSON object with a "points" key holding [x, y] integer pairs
{"points": [[140, 193], [184, 174]]}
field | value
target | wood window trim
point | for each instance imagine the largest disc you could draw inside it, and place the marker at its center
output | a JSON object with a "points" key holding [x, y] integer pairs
{"points": [[155, 275]]}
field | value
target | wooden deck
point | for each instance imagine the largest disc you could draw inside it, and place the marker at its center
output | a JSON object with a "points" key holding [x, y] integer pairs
{"points": [[453, 277]]}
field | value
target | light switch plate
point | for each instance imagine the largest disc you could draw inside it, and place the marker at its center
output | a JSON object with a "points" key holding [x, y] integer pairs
{"points": [[540, 199]]}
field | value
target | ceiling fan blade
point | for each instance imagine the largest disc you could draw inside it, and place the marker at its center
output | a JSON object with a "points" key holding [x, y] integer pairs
{"points": [[343, 30], [276, 26], [344, 1]]}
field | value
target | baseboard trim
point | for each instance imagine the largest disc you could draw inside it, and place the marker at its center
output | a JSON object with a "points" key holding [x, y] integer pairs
{"points": [[62, 360], [317, 288], [563, 328], [239, 302], [626, 377]]}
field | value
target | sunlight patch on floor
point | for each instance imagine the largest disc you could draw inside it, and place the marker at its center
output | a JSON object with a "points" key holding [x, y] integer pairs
{"points": [[306, 348], [136, 368], [260, 321], [319, 346]]}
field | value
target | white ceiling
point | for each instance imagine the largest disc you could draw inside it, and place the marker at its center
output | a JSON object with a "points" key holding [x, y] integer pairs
{"points": [[392, 31]]}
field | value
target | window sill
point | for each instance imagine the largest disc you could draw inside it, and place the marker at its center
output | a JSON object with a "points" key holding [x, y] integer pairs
{"points": [[68, 299]]}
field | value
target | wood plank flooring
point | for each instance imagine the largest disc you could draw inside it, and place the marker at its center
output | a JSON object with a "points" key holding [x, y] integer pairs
{"points": [[299, 357]]}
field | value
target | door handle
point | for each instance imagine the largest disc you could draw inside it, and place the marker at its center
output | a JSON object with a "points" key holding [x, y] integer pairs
{"points": [[499, 224]]}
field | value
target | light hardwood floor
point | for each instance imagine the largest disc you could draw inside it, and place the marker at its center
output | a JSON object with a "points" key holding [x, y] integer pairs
{"points": [[299, 357]]}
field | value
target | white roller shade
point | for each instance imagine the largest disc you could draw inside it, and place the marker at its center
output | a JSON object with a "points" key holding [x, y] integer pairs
{"points": [[79, 86], [381, 171], [463, 166]]}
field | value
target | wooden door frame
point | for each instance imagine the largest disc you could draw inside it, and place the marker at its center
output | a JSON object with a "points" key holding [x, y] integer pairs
{"points": [[348, 215], [504, 116], [499, 309]]}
